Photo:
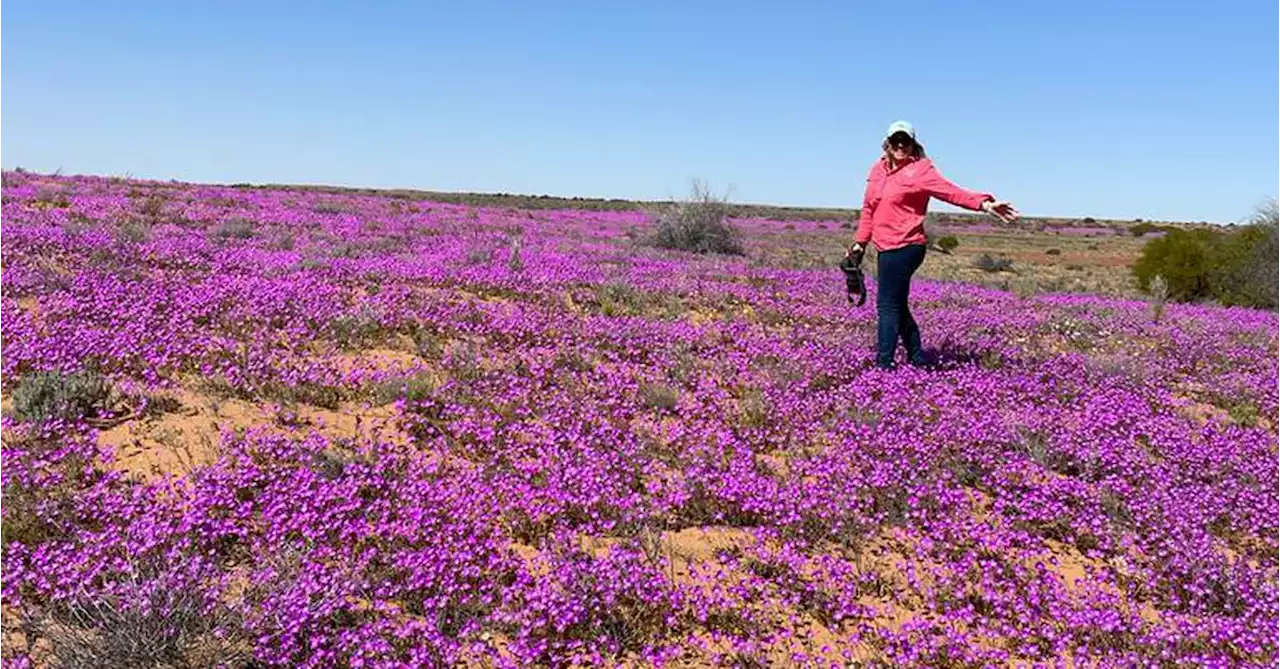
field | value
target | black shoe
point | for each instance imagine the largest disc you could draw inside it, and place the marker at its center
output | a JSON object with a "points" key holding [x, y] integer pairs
{"points": [[922, 361]]}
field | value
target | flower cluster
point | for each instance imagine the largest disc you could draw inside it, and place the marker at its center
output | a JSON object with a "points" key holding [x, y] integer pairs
{"points": [[589, 452]]}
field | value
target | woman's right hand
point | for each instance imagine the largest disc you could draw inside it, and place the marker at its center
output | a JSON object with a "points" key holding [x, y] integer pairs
{"points": [[1001, 209]]}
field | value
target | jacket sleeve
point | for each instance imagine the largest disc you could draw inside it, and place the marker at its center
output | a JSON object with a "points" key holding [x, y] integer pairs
{"points": [[863, 235], [936, 185]]}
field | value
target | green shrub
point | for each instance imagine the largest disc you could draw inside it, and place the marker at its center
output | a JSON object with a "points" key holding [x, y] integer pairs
{"points": [[1228, 276], [948, 243], [45, 396], [1053, 252], [1184, 258], [1236, 268]]}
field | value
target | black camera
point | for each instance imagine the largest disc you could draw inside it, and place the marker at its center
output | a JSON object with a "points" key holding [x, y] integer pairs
{"points": [[854, 284]]}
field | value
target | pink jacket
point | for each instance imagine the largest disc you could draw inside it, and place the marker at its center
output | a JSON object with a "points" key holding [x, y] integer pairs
{"points": [[895, 203]]}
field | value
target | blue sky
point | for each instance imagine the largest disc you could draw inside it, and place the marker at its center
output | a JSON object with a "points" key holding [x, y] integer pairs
{"points": [[1158, 110]]}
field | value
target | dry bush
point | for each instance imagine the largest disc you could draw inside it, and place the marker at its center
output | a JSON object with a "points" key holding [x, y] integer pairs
{"points": [[166, 627], [236, 228], [515, 260], [987, 263], [1264, 269], [659, 396], [134, 232], [699, 224], [1159, 289], [416, 388]]}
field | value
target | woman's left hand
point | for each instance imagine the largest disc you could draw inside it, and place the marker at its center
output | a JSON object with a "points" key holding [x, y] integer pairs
{"points": [[1001, 209], [855, 253]]}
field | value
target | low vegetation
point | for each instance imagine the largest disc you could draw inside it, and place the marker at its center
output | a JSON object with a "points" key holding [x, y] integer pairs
{"points": [[430, 434], [700, 224], [1235, 267]]}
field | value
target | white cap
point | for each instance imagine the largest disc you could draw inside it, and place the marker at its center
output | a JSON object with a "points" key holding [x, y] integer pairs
{"points": [[901, 126]]}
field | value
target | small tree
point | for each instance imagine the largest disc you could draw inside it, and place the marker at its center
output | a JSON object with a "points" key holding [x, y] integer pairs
{"points": [[699, 224], [1184, 258], [1262, 270], [1235, 267]]}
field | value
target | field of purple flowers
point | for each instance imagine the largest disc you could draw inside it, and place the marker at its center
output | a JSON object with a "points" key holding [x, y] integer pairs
{"points": [[488, 437]]}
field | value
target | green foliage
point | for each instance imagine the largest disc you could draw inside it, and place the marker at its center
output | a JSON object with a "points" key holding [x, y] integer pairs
{"points": [[1236, 268], [45, 396], [619, 299], [1229, 276], [948, 243], [1184, 258]]}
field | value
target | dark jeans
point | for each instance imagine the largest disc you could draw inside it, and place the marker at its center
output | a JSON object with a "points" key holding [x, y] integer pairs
{"points": [[892, 289]]}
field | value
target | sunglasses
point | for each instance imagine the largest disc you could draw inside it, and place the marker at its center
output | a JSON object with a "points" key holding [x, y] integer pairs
{"points": [[901, 141]]}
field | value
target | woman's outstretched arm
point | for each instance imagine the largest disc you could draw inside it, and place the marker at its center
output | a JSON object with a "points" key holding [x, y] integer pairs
{"points": [[936, 185]]}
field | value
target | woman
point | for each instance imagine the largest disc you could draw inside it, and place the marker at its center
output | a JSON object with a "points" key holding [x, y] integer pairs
{"points": [[893, 212]]}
